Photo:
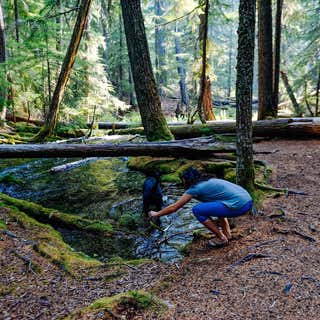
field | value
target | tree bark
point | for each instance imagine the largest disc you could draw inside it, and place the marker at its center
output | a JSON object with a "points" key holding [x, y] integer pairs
{"points": [[296, 106], [3, 70], [16, 19], [120, 66], [160, 51], [203, 109], [65, 72], [193, 149], [276, 56], [265, 60], [245, 60], [153, 120], [181, 70]]}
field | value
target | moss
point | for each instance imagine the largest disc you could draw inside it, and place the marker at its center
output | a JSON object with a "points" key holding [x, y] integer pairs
{"points": [[230, 174], [129, 221], [141, 301], [8, 178], [55, 217], [3, 225], [186, 249], [219, 168], [50, 244]]}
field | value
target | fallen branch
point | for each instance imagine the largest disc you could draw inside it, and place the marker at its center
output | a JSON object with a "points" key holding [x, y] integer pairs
{"points": [[73, 165], [247, 258], [285, 190], [294, 232]]}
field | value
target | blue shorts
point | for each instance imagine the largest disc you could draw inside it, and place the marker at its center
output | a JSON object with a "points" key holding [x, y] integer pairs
{"points": [[203, 211]]}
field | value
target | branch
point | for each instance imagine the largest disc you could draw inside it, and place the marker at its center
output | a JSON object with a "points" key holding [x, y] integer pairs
{"points": [[285, 190]]}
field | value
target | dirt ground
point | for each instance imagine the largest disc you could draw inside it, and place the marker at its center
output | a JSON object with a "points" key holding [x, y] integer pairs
{"points": [[271, 270]]}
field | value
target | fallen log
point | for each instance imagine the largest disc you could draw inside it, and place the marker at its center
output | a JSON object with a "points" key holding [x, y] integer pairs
{"points": [[191, 149], [290, 127]]}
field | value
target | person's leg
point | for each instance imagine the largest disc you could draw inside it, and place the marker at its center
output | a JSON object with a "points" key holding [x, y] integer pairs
{"points": [[224, 223], [203, 212], [209, 224]]}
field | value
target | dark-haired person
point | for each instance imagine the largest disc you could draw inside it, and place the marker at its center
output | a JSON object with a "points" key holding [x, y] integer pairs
{"points": [[219, 198]]}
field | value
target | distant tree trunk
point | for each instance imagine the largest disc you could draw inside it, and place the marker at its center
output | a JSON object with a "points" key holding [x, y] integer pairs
{"points": [[153, 120], [66, 68], [229, 66], [245, 60], [203, 108], [276, 57], [181, 69], [16, 19], [265, 60], [104, 19], [160, 51], [59, 25], [120, 81], [133, 98], [48, 65], [317, 94], [296, 106], [3, 75]]}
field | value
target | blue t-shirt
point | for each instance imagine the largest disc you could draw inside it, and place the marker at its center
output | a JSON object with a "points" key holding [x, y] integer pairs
{"points": [[230, 194]]}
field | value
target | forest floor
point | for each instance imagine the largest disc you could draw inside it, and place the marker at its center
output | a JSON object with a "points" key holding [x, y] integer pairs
{"points": [[270, 271]]}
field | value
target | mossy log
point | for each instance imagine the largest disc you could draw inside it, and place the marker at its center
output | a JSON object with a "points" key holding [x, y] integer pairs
{"points": [[289, 127], [57, 218], [49, 243], [192, 149]]}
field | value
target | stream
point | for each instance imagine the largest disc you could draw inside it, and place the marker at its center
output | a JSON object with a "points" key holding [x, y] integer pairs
{"points": [[102, 189]]}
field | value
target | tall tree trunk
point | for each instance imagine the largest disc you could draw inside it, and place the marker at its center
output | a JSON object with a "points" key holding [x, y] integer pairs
{"points": [[276, 57], [153, 120], [265, 60], [120, 79], [181, 69], [133, 98], [160, 51], [59, 26], [203, 107], [16, 19], [3, 69], [230, 64], [48, 65], [245, 60], [296, 106], [104, 19], [66, 68]]}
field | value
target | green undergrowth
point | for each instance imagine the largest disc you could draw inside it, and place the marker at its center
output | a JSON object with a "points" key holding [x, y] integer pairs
{"points": [[110, 307], [49, 243], [3, 225], [57, 218]]}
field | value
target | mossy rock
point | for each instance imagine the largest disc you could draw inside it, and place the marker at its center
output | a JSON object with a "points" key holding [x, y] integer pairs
{"points": [[140, 301], [49, 243], [55, 217], [230, 175]]}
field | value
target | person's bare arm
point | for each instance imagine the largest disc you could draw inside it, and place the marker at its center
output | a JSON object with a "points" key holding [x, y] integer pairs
{"points": [[173, 207]]}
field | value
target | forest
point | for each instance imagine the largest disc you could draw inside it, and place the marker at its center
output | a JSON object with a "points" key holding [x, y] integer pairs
{"points": [[159, 159]]}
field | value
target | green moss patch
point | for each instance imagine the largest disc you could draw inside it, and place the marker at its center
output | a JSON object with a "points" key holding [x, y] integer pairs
{"points": [[3, 225], [131, 302], [49, 244], [55, 217]]}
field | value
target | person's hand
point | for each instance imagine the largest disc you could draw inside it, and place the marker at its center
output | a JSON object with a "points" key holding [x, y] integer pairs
{"points": [[153, 214]]}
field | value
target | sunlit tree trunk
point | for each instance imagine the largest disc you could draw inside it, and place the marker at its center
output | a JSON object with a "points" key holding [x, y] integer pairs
{"points": [[153, 120], [205, 111], [245, 60], [66, 68], [296, 106], [276, 57], [265, 60]]}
